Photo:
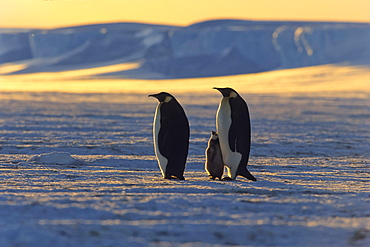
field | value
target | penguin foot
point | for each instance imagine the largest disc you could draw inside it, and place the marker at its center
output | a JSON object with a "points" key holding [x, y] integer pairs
{"points": [[175, 177], [226, 179]]}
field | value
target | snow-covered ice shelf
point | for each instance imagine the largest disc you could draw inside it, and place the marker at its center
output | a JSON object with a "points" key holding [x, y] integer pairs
{"points": [[205, 49]]}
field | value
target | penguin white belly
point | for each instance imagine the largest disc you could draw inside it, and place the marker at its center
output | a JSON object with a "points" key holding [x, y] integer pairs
{"points": [[162, 161], [223, 124]]}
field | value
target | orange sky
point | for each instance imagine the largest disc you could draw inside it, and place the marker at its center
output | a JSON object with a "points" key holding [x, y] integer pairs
{"points": [[59, 13]]}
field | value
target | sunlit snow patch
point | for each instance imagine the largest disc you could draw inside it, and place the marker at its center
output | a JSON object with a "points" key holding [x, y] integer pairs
{"points": [[59, 158]]}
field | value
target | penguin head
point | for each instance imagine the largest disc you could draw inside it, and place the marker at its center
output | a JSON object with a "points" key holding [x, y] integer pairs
{"points": [[227, 92], [214, 135], [162, 97]]}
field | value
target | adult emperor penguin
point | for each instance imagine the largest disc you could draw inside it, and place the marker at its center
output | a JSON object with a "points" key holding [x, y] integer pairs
{"points": [[171, 136], [234, 132]]}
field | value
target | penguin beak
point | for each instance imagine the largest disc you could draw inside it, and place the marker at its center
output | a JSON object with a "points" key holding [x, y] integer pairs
{"points": [[155, 96]]}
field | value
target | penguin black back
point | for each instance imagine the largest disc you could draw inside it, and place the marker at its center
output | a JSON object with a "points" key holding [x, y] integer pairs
{"points": [[240, 134], [240, 129]]}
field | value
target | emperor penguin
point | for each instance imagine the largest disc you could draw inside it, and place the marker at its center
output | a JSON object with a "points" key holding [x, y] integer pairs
{"points": [[214, 163], [171, 136], [234, 131]]}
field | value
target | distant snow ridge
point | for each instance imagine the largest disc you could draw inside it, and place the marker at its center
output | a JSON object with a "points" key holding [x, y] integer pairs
{"points": [[58, 158], [212, 48]]}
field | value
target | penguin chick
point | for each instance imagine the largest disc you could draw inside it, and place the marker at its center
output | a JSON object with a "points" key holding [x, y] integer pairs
{"points": [[214, 163]]}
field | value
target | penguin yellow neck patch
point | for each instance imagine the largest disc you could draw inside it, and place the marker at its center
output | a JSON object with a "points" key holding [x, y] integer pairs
{"points": [[233, 95], [167, 99]]}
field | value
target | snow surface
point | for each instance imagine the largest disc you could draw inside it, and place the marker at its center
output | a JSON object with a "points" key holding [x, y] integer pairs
{"points": [[206, 49], [78, 169]]}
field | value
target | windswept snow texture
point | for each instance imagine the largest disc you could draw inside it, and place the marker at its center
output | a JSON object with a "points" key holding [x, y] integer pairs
{"points": [[212, 48], [79, 170]]}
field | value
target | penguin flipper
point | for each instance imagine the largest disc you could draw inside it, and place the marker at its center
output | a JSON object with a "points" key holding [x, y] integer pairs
{"points": [[240, 140], [233, 132]]}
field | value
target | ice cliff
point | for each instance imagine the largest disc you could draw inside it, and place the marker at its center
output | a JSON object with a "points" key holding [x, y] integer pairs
{"points": [[211, 48]]}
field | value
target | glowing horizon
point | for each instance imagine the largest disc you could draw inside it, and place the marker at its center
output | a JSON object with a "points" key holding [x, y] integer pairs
{"points": [[332, 79], [62, 13]]}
